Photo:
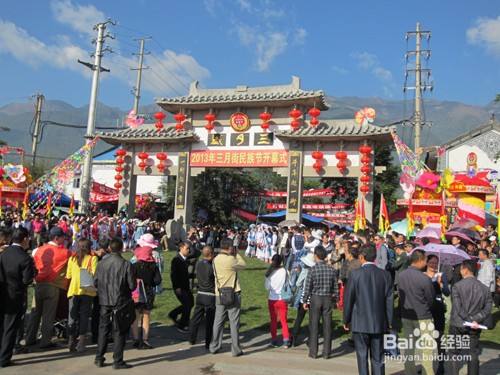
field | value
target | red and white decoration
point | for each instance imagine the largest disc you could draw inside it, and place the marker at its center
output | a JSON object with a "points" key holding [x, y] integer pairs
{"points": [[314, 113], [366, 169], [342, 161], [210, 117], [143, 156], [318, 164], [159, 116], [179, 119], [120, 160], [265, 117], [295, 115], [162, 157]]}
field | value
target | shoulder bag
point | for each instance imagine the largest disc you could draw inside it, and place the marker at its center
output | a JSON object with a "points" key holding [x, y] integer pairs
{"points": [[227, 295]]}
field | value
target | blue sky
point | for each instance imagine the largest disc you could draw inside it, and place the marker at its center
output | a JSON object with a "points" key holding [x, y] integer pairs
{"points": [[346, 48]]}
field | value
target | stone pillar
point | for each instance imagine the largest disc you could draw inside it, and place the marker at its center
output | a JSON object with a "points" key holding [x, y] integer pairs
{"points": [[183, 190], [126, 196], [294, 188]]}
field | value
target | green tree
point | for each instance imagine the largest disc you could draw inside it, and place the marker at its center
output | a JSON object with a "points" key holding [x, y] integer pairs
{"points": [[386, 182]]}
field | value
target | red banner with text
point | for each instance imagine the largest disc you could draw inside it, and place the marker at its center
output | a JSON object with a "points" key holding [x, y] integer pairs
{"points": [[233, 158]]}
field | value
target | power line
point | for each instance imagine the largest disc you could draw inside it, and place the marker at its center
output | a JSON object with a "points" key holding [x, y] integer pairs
{"points": [[176, 63], [73, 126], [165, 82], [170, 72]]}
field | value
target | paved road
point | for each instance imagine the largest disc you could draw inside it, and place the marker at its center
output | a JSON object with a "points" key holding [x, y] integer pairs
{"points": [[174, 356]]}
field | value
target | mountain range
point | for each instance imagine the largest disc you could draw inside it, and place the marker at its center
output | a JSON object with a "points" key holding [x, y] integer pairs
{"points": [[449, 119]]}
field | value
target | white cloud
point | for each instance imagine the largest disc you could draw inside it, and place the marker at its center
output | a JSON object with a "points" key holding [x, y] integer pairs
{"points": [[267, 44], [62, 54], [81, 18], [365, 60], [245, 5], [486, 33], [370, 63], [339, 70], [300, 36], [28, 49], [211, 7]]}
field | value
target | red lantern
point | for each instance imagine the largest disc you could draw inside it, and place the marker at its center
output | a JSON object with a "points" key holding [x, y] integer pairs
{"points": [[265, 117], [365, 179], [143, 156], [120, 152], [295, 124], [341, 155], [316, 155], [364, 188], [160, 116], [2, 171], [365, 159], [295, 114], [120, 161], [210, 117], [365, 149], [318, 165], [366, 169], [162, 156], [119, 169], [342, 165], [179, 117], [314, 113], [118, 177], [118, 185]]}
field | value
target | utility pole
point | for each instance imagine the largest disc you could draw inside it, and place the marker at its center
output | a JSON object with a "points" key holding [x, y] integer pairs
{"points": [[96, 67], [420, 84], [137, 89], [36, 132]]}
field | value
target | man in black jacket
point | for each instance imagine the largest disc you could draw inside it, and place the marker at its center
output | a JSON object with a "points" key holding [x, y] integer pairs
{"points": [[471, 303], [416, 297], [114, 282], [17, 271], [205, 298], [179, 275], [368, 305]]}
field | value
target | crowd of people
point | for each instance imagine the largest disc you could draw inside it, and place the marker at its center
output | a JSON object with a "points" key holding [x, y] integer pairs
{"points": [[85, 290]]}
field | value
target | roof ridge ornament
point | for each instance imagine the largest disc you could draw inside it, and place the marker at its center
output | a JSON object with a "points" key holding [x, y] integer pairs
{"points": [[193, 88]]}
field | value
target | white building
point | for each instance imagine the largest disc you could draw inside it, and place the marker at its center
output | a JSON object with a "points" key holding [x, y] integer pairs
{"points": [[103, 172], [484, 141]]}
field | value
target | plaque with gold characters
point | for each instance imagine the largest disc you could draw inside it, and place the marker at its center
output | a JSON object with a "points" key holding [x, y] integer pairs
{"points": [[216, 139], [263, 139], [241, 139], [239, 121]]}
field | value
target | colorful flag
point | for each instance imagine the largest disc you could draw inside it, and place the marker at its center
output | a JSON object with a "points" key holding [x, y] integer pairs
{"points": [[72, 206], [410, 218], [49, 205], [1, 209], [25, 204], [444, 217], [356, 216], [497, 211], [362, 214], [383, 217]]}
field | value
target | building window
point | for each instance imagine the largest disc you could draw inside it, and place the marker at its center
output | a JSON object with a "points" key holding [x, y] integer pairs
{"points": [[76, 183]]}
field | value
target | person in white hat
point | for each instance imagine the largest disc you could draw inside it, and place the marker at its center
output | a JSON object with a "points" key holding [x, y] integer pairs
{"points": [[313, 239]]}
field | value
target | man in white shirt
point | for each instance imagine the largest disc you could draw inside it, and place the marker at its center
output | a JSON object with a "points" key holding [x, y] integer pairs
{"points": [[486, 273], [313, 240]]}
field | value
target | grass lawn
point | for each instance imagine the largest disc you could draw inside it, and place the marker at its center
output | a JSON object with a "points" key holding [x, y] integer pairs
{"points": [[254, 314]]}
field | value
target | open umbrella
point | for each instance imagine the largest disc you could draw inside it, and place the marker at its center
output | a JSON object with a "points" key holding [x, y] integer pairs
{"points": [[401, 227], [447, 254], [468, 232], [288, 223], [461, 235], [432, 232]]}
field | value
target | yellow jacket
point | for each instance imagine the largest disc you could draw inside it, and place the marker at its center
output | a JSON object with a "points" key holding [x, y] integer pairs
{"points": [[227, 267], [73, 273]]}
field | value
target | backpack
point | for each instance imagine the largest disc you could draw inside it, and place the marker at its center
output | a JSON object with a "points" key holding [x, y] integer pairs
{"points": [[391, 259]]}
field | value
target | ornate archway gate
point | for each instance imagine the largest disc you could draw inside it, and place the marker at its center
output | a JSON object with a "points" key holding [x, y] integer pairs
{"points": [[226, 128]]}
